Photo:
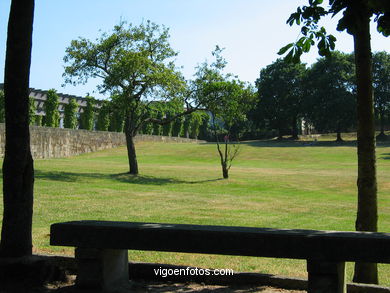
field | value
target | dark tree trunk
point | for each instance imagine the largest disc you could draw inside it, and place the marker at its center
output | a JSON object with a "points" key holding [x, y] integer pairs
{"points": [[131, 154], [225, 171], [367, 214], [339, 138], [18, 170], [294, 132]]}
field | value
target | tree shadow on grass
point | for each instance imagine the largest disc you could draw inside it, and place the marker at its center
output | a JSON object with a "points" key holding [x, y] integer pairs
{"points": [[299, 143], [385, 156], [122, 177]]}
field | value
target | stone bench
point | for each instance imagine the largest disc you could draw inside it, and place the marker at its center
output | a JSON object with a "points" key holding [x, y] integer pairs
{"points": [[101, 248]]}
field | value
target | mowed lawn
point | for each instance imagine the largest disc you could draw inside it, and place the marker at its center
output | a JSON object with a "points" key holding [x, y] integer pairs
{"points": [[281, 185]]}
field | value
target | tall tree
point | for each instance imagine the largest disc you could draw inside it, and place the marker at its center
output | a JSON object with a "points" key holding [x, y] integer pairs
{"points": [[356, 21], [280, 91], [52, 115], [329, 100], [134, 63], [70, 118], [381, 83], [18, 168]]}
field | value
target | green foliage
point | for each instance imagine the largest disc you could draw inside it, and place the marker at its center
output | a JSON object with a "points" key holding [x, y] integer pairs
{"points": [[157, 128], [280, 93], [381, 84], [117, 115], [52, 115], [227, 99], [177, 126], [132, 61], [103, 119], [38, 120], [2, 110], [147, 127], [195, 123], [32, 111], [330, 100], [204, 130], [135, 64], [309, 16], [167, 127], [70, 114], [186, 126], [87, 117]]}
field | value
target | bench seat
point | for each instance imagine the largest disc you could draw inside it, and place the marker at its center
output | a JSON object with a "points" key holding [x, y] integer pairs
{"points": [[104, 244]]}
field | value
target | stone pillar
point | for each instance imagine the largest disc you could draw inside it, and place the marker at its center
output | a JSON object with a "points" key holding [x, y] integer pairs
{"points": [[326, 277], [102, 269]]}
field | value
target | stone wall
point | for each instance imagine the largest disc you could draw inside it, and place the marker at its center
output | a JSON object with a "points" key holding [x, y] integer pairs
{"points": [[48, 142]]}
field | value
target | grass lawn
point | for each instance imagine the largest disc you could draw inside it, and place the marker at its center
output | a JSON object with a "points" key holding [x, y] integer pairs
{"points": [[281, 185]]}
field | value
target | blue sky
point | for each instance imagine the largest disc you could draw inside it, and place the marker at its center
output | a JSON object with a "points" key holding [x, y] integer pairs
{"points": [[252, 31]]}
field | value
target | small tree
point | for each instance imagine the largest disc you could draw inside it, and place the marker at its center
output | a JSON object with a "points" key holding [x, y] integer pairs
{"points": [[228, 100], [52, 115], [70, 111], [87, 117], [234, 101]]}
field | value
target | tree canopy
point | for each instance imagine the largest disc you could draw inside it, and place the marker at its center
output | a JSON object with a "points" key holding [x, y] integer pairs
{"points": [[135, 64], [330, 99], [280, 95]]}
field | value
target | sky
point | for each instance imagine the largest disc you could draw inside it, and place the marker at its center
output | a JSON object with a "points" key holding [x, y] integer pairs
{"points": [[251, 31]]}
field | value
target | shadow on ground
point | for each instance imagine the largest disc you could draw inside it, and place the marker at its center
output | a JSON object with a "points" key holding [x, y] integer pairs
{"points": [[176, 287], [299, 143], [122, 177], [384, 156]]}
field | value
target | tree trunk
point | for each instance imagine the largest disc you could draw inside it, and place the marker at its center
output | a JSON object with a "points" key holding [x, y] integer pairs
{"points": [[18, 170], [367, 214], [294, 130], [339, 138], [225, 171], [131, 154]]}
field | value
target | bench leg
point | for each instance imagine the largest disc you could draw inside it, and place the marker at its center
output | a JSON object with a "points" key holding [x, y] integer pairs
{"points": [[102, 269], [326, 277]]}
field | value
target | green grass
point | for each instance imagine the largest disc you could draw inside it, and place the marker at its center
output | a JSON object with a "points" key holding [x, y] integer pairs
{"points": [[281, 185]]}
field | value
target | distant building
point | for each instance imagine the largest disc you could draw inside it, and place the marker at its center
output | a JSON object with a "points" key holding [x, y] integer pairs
{"points": [[40, 97]]}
